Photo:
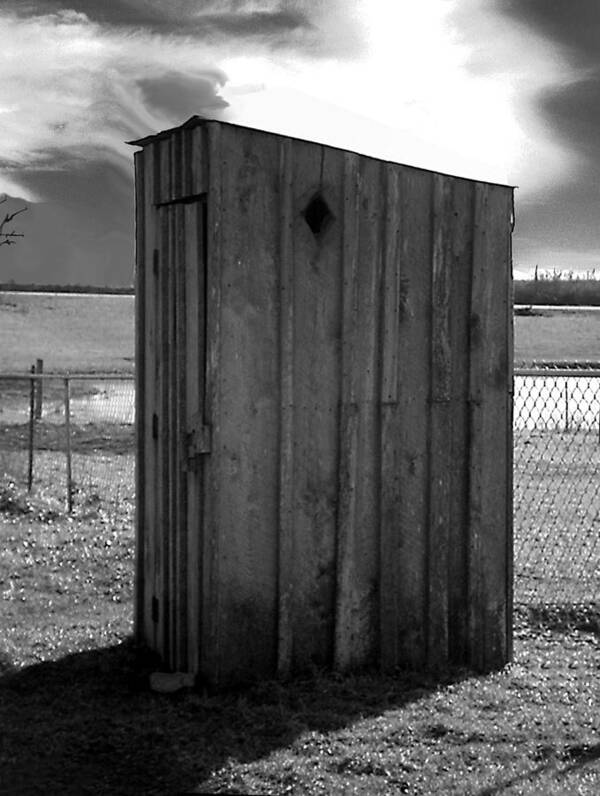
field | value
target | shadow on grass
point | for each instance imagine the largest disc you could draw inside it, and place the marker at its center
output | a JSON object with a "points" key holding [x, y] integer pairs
{"points": [[560, 617], [575, 757], [87, 723]]}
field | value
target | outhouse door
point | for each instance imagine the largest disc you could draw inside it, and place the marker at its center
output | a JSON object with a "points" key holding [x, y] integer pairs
{"points": [[182, 436]]}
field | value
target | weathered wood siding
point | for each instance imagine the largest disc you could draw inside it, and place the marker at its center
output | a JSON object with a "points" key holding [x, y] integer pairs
{"points": [[324, 460]]}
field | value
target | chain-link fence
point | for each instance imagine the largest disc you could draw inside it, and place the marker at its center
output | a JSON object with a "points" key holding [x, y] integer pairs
{"points": [[69, 439], [556, 488]]}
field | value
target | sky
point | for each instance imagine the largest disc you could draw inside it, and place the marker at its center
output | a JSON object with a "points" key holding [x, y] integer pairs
{"points": [[500, 90]]}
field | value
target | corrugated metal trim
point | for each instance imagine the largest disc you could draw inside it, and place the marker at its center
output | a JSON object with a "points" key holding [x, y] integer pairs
{"points": [[195, 121], [192, 122]]}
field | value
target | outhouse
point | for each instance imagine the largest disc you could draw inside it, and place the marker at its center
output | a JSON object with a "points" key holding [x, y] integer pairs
{"points": [[324, 377]]}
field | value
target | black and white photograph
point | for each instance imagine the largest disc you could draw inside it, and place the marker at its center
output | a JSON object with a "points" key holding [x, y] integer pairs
{"points": [[299, 397]]}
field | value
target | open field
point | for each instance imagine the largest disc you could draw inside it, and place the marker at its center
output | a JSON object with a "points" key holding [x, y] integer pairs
{"points": [[566, 335], [89, 333], [80, 334]]}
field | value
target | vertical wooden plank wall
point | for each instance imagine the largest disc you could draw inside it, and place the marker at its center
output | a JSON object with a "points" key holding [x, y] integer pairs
{"points": [[440, 462], [358, 528], [354, 507], [490, 459], [140, 393], [195, 417], [316, 316], [148, 383], [285, 529], [210, 596], [405, 420], [460, 254], [246, 416]]}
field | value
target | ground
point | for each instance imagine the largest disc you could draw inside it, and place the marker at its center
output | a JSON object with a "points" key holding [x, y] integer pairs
{"points": [[76, 714]]}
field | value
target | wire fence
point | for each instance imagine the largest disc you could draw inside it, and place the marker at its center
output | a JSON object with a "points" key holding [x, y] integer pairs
{"points": [[556, 488], [69, 439]]}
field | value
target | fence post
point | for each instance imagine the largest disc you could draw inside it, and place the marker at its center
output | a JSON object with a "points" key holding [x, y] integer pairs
{"points": [[31, 430], [566, 403], [39, 391], [68, 444]]}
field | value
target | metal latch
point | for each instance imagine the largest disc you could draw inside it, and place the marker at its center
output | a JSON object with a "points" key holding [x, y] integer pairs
{"points": [[198, 440]]}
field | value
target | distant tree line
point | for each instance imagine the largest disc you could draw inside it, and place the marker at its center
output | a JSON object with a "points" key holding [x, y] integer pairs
{"points": [[14, 287], [558, 292]]}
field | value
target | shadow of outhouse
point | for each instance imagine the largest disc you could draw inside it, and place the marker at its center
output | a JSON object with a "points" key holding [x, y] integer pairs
{"points": [[88, 723]]}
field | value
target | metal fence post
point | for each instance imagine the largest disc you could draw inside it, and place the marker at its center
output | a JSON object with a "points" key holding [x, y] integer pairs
{"points": [[68, 444], [31, 430], [39, 391], [566, 404]]}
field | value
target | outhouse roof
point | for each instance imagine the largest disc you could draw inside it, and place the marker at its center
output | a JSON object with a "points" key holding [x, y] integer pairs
{"points": [[197, 120]]}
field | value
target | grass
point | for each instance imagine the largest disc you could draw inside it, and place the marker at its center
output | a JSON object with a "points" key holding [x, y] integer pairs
{"points": [[88, 334], [557, 540], [568, 335], [80, 334], [559, 288], [77, 716]]}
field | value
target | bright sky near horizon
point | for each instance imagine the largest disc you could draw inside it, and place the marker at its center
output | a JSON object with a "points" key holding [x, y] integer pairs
{"points": [[499, 90]]}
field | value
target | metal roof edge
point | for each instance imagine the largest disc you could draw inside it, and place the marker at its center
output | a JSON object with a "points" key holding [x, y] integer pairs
{"points": [[193, 121], [196, 120]]}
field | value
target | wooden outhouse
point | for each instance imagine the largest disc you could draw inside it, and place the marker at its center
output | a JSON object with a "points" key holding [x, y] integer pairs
{"points": [[324, 378]]}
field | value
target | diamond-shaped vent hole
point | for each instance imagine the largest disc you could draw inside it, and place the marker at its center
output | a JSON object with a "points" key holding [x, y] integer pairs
{"points": [[317, 215]]}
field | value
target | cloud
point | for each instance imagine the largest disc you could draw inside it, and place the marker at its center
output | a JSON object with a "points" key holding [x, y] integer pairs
{"points": [[77, 83], [574, 26], [174, 93], [71, 89], [309, 25], [565, 216]]}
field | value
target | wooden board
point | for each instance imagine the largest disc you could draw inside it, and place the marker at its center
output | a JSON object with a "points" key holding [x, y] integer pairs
{"points": [[246, 445], [490, 522], [316, 264], [407, 423], [461, 254], [141, 267], [440, 462], [357, 598]]}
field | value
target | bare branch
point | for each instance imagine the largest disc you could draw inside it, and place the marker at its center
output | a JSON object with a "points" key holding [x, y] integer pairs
{"points": [[6, 237]]}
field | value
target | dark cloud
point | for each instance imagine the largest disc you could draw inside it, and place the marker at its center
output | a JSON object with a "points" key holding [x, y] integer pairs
{"points": [[572, 24], [181, 96], [566, 215], [82, 231], [299, 24], [82, 234], [573, 111]]}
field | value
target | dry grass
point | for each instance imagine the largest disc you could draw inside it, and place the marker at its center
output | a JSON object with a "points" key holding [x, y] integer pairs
{"points": [[78, 333], [77, 716], [557, 539], [96, 333], [567, 335]]}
